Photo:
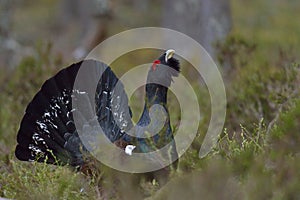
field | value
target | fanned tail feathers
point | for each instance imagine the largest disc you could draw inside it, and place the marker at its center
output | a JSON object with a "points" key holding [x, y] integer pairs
{"points": [[47, 132]]}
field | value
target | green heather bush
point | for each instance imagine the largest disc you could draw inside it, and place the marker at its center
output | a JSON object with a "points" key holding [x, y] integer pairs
{"points": [[257, 156]]}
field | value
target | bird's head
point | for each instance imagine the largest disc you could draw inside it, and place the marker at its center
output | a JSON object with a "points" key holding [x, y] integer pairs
{"points": [[164, 68]]}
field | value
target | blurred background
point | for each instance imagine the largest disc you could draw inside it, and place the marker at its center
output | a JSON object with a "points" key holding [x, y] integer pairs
{"points": [[74, 27], [255, 44]]}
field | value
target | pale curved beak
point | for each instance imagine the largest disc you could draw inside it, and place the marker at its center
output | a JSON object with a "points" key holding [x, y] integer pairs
{"points": [[169, 54]]}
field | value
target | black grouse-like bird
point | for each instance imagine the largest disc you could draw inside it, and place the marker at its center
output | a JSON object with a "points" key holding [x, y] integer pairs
{"points": [[48, 133]]}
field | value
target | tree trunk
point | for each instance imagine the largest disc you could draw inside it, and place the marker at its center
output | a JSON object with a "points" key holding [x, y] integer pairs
{"points": [[7, 44], [93, 17], [206, 21]]}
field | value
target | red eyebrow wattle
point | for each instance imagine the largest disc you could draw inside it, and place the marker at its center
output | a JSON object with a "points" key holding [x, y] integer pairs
{"points": [[155, 63]]}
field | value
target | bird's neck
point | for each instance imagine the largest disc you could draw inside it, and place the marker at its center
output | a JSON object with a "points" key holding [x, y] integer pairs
{"points": [[155, 94]]}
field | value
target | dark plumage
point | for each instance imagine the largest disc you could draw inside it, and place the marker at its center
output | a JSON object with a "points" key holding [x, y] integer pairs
{"points": [[48, 134]]}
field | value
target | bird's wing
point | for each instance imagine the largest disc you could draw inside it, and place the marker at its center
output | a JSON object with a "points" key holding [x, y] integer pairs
{"points": [[47, 132]]}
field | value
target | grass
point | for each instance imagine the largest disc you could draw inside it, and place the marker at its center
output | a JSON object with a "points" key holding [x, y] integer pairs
{"points": [[41, 181], [257, 156]]}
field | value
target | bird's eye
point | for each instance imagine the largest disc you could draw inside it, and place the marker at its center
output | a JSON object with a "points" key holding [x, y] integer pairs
{"points": [[156, 62]]}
